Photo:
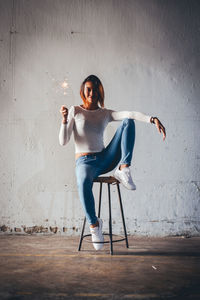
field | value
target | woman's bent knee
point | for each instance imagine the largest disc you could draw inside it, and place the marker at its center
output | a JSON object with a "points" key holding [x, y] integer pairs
{"points": [[129, 122]]}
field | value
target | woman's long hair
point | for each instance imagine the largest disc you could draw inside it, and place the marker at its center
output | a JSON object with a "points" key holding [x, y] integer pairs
{"points": [[97, 86]]}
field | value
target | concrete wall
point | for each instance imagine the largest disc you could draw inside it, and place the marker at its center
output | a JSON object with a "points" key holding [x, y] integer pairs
{"points": [[147, 54]]}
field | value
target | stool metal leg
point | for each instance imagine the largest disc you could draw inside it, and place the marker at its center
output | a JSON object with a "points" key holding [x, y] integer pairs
{"points": [[81, 238], [122, 213], [110, 221], [100, 193]]}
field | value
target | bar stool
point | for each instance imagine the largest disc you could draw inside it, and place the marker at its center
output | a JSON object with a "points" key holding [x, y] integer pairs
{"points": [[109, 180]]}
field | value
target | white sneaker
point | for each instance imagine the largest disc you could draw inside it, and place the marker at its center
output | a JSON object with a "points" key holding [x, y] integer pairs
{"points": [[97, 235], [124, 176]]}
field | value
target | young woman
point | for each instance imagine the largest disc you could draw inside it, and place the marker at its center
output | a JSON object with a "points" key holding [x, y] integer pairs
{"points": [[88, 122]]}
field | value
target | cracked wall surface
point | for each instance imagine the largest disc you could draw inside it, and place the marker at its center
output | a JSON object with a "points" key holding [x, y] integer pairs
{"points": [[146, 54]]}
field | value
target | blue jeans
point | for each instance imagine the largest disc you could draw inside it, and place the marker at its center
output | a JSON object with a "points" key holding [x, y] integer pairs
{"points": [[88, 167]]}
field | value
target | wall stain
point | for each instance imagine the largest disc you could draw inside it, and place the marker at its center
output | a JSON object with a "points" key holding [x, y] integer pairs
{"points": [[35, 229], [54, 229]]}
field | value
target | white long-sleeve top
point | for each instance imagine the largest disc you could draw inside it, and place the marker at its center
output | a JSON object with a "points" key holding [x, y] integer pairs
{"points": [[88, 126]]}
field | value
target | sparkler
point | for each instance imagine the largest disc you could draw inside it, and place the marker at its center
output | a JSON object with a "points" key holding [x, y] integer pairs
{"points": [[61, 86], [65, 86]]}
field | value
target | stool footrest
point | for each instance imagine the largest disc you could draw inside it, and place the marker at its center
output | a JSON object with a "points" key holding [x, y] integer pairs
{"points": [[105, 242]]}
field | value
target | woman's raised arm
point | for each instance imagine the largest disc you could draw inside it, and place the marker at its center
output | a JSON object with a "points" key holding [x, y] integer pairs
{"points": [[136, 115]]}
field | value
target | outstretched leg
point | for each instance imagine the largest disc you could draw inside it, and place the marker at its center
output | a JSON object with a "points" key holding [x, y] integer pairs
{"points": [[86, 171], [85, 176]]}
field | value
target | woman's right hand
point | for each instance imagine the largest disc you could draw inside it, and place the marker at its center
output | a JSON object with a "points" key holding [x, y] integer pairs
{"points": [[64, 112]]}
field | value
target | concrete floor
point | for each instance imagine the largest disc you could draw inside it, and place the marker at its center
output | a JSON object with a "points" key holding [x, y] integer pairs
{"points": [[50, 267]]}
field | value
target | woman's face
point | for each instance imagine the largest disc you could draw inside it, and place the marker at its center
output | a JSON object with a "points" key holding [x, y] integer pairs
{"points": [[90, 93]]}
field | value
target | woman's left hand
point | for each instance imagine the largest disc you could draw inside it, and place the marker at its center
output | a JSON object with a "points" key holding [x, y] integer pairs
{"points": [[160, 127]]}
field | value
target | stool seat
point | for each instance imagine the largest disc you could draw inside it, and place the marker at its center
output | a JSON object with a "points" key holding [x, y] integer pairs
{"points": [[108, 180]]}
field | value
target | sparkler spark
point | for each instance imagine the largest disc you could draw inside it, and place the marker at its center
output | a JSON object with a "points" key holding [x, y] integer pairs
{"points": [[65, 84]]}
